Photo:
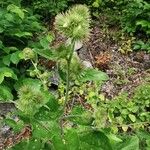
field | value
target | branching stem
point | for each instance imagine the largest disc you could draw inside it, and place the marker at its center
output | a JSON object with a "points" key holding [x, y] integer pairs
{"points": [[38, 75]]}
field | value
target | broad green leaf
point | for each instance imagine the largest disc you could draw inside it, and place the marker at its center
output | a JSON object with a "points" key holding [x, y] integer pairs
{"points": [[97, 3], [114, 138], [94, 140], [132, 117], [47, 53], [6, 60], [23, 34], [15, 57], [72, 140], [1, 44], [148, 144], [6, 72], [9, 49], [136, 47], [131, 143], [5, 93], [32, 144], [50, 110], [16, 126], [45, 129], [1, 30], [58, 143], [82, 117], [45, 41], [143, 23], [62, 52], [15, 9], [143, 134], [92, 75], [9, 17], [1, 78], [41, 130], [50, 37]]}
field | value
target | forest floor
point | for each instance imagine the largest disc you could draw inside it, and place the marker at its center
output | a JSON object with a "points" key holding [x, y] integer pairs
{"points": [[125, 71]]}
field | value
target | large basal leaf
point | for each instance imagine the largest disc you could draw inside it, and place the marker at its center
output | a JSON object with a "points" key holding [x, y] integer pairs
{"points": [[5, 93], [95, 140], [72, 140], [7, 72], [45, 129], [92, 75], [87, 140], [144, 136], [131, 143], [32, 144]]}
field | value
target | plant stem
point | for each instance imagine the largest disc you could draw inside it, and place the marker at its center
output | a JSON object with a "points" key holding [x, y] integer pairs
{"points": [[68, 77], [67, 85]]}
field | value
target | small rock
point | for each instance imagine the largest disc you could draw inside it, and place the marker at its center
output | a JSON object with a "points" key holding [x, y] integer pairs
{"points": [[78, 45], [87, 64], [6, 108], [5, 131], [54, 80]]}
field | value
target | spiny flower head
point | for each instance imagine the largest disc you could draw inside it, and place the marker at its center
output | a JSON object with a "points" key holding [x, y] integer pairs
{"points": [[30, 99], [28, 53], [75, 23]]}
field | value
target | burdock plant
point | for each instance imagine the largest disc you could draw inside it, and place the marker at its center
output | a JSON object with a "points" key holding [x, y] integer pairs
{"points": [[75, 25], [40, 109]]}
